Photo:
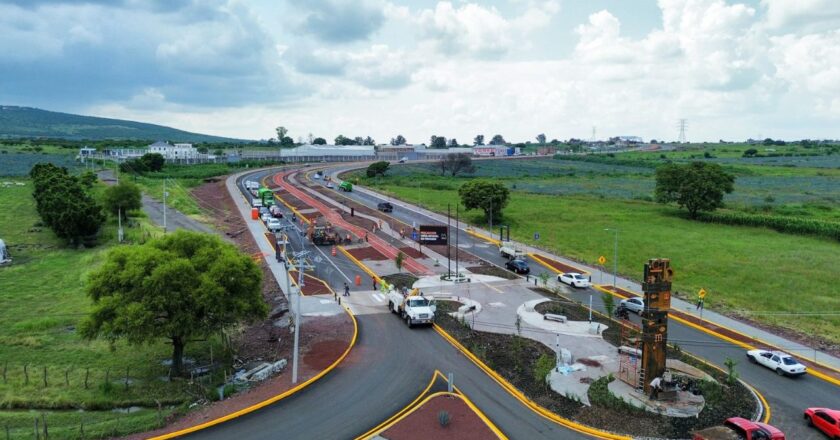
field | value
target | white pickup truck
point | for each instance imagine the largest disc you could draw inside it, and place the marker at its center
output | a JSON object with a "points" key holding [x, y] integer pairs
{"points": [[509, 251], [413, 309]]}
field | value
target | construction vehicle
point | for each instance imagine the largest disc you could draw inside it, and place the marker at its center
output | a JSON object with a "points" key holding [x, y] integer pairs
{"points": [[346, 186], [267, 196], [411, 307], [322, 235], [508, 250]]}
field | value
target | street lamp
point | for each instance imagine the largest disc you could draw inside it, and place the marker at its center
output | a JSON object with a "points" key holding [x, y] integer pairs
{"points": [[615, 254]]}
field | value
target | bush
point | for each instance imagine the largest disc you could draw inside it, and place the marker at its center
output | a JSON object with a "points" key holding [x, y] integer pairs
{"points": [[790, 225], [542, 368], [444, 418]]}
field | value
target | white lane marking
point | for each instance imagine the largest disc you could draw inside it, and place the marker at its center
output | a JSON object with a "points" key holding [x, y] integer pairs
{"points": [[378, 297]]}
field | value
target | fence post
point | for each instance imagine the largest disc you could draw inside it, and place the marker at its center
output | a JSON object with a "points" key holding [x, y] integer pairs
{"points": [[45, 376], [26, 375], [126, 377], [5, 367], [67, 377], [87, 375], [37, 430], [46, 432]]}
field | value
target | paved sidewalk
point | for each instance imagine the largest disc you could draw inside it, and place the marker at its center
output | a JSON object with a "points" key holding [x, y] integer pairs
{"points": [[604, 277]]}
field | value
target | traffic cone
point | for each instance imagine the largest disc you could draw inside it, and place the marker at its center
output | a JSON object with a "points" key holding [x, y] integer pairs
{"points": [[333, 251]]}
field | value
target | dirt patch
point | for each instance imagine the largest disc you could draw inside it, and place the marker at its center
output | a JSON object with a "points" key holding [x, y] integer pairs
{"points": [[312, 285], [493, 271], [324, 353], [366, 253], [559, 266], [465, 258], [412, 252], [424, 423]]}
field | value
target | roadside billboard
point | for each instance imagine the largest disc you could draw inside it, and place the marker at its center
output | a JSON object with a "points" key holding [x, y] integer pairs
{"points": [[433, 235]]}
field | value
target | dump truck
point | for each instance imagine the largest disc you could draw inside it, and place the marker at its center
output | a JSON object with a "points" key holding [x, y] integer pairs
{"points": [[412, 308], [346, 186], [322, 235], [266, 196], [509, 251]]}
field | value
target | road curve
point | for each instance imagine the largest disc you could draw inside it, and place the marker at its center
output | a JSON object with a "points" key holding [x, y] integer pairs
{"points": [[389, 366]]}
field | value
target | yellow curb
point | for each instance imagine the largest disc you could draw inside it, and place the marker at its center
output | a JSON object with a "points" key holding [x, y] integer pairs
{"points": [[583, 429], [274, 399], [390, 420], [817, 374], [472, 232], [540, 260], [458, 395], [360, 264]]}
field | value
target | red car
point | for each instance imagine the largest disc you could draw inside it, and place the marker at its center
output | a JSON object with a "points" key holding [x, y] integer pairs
{"points": [[826, 420], [740, 428]]}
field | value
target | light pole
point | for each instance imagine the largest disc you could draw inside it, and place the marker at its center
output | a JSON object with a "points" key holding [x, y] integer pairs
{"points": [[615, 254]]}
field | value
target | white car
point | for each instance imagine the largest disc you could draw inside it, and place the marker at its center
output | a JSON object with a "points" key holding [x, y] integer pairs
{"points": [[633, 304], [574, 279], [266, 216], [273, 224], [782, 363], [330, 185]]}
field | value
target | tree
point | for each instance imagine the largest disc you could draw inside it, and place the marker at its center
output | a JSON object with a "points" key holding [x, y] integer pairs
{"points": [[319, 141], [479, 140], [343, 140], [750, 152], [497, 140], [541, 139], [124, 196], [399, 140], [697, 186], [399, 260], [218, 152], [281, 133], [453, 143], [153, 161], [456, 164], [358, 140], [368, 141], [609, 303], [489, 196], [63, 204], [202, 150], [88, 178], [437, 142], [377, 168], [183, 286]]}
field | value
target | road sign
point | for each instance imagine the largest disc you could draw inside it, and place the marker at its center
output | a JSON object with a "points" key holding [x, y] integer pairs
{"points": [[536, 235], [701, 293], [414, 235], [602, 260], [432, 234]]}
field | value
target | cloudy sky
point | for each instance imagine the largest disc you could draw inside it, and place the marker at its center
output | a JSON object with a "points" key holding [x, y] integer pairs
{"points": [[733, 69]]}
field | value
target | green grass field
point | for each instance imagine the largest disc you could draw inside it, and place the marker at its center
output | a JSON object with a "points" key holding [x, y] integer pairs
{"points": [[43, 299], [745, 269]]}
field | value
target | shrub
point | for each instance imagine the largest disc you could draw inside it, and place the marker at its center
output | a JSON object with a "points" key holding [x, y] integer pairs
{"points": [[444, 418], [542, 368], [790, 225]]}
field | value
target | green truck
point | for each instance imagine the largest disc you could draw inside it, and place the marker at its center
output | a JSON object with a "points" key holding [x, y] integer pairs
{"points": [[346, 186], [266, 196]]}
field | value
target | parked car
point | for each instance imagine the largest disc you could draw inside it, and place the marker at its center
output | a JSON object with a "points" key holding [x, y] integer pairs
{"points": [[782, 363], [825, 420], [403, 159], [518, 266], [273, 224], [385, 207], [574, 279], [636, 305]]}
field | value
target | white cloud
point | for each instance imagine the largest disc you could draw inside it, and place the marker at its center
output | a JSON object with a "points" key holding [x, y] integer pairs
{"points": [[805, 15]]}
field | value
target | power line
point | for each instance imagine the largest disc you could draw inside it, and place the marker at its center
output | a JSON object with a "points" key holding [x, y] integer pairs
{"points": [[682, 124]]}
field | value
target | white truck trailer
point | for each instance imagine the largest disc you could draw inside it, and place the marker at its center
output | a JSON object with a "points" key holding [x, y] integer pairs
{"points": [[414, 309], [509, 251]]}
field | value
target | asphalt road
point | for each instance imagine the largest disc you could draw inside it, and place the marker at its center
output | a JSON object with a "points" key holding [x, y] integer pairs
{"points": [[787, 397], [386, 370]]}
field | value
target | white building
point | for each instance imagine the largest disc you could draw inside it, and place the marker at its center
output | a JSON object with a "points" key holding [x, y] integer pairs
{"points": [[174, 152]]}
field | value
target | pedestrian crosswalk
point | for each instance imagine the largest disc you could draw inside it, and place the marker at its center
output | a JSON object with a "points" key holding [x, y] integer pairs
{"points": [[366, 302]]}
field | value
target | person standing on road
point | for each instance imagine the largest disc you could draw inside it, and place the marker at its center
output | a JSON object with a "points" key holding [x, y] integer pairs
{"points": [[374, 284], [346, 290], [655, 387]]}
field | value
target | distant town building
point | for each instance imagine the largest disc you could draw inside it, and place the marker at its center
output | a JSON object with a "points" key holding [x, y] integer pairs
{"points": [[492, 150], [174, 152]]}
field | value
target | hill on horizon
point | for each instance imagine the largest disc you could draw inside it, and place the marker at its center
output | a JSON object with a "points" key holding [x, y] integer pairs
{"points": [[28, 122]]}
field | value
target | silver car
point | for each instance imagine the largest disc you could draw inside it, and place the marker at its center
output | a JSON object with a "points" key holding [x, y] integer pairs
{"points": [[636, 305]]}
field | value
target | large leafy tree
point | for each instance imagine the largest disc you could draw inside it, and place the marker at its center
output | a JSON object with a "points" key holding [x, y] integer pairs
{"points": [[456, 164], [377, 168], [153, 161], [63, 204], [697, 186], [479, 140], [344, 140], [319, 141], [183, 286], [124, 196], [486, 195], [399, 140], [497, 140], [437, 142]]}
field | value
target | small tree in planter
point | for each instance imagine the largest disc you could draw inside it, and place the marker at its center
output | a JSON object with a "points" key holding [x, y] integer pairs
{"points": [[399, 260], [444, 418], [609, 303]]}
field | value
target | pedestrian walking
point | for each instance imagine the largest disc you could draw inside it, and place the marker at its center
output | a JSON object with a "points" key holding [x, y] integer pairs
{"points": [[346, 290], [700, 304], [366, 238], [374, 283]]}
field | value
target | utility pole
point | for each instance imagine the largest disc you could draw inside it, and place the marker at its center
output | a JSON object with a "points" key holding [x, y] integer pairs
{"points": [[164, 205], [300, 259], [448, 245], [457, 223], [615, 254]]}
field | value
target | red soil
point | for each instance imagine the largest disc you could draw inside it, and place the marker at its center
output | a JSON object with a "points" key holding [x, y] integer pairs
{"points": [[423, 423], [366, 253]]}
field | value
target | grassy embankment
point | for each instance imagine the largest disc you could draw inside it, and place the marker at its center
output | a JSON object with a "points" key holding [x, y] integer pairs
{"points": [[43, 299], [745, 269]]}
